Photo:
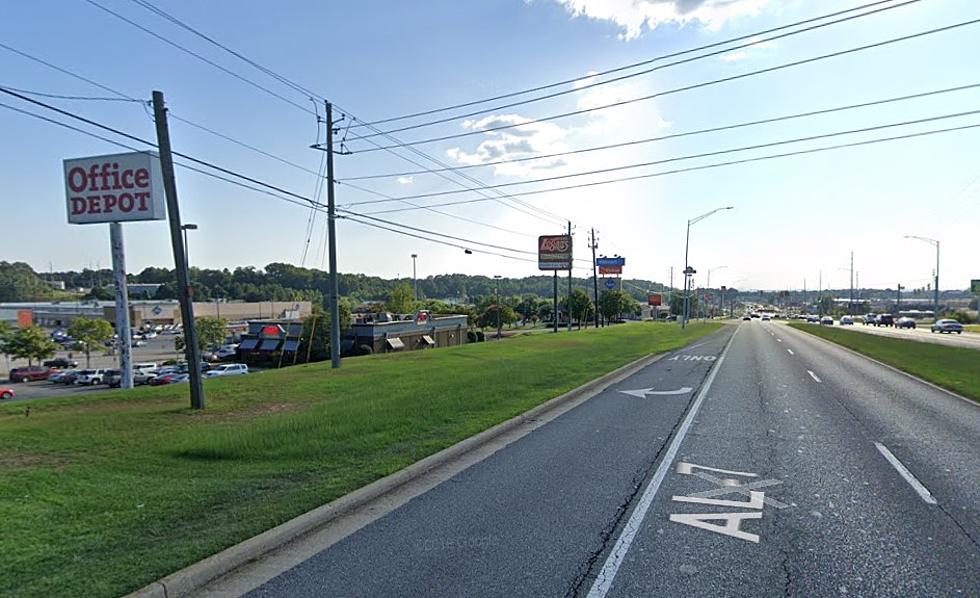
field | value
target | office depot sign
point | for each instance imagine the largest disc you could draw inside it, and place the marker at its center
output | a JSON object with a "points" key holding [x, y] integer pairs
{"points": [[116, 188]]}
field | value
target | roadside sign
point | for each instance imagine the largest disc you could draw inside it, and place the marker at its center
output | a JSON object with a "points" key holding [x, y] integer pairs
{"points": [[610, 283], [610, 269], [610, 261], [655, 299], [114, 188], [975, 286], [555, 252]]}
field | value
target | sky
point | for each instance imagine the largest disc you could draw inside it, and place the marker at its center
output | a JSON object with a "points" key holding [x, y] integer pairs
{"points": [[795, 219]]}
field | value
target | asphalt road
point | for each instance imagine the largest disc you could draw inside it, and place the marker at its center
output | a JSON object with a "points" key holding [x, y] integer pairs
{"points": [[968, 340], [780, 465]]}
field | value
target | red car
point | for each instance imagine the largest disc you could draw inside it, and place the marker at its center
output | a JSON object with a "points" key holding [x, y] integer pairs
{"points": [[34, 372], [6, 393]]}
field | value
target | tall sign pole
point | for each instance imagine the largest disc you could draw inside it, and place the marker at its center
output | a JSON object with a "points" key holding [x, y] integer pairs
{"points": [[594, 244], [122, 305], [191, 349], [332, 239], [570, 282], [555, 309]]}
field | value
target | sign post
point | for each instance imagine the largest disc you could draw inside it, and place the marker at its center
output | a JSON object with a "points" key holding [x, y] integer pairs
{"points": [[114, 189], [555, 253]]}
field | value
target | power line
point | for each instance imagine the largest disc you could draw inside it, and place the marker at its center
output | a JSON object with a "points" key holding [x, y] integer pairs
{"points": [[705, 166], [130, 98], [56, 96], [199, 57], [675, 135], [749, 44], [625, 67], [681, 89], [689, 156]]}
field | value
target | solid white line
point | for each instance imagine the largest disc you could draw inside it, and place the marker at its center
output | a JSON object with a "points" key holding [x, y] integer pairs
{"points": [[608, 572], [905, 473], [790, 351], [779, 340], [814, 376]]}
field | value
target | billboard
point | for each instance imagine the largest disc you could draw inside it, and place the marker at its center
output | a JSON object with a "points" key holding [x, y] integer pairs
{"points": [[610, 261], [610, 269], [114, 188], [555, 252], [655, 299]]}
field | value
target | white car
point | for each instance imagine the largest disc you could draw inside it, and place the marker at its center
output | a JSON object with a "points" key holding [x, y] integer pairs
{"points": [[846, 321], [228, 369], [226, 351], [90, 377]]}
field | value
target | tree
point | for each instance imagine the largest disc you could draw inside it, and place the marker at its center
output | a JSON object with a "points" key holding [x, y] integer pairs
{"points": [[677, 304], [100, 294], [581, 307], [489, 316], [613, 304], [30, 343], [90, 334], [18, 282], [316, 330], [210, 331], [401, 299]]}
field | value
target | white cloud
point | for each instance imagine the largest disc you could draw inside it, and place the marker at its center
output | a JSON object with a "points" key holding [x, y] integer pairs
{"points": [[588, 79], [406, 180], [632, 15]]}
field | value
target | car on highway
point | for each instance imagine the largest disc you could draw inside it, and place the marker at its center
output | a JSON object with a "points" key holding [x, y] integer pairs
{"points": [[884, 320], [941, 326], [7, 393], [826, 321], [869, 319], [846, 321], [747, 317], [61, 363], [813, 319], [90, 377], [766, 318], [31, 373], [228, 369], [905, 322]]}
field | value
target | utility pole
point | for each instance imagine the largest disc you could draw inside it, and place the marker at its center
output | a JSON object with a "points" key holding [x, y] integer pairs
{"points": [[850, 300], [804, 293], [415, 278], [898, 299], [593, 245], [570, 283], [554, 313], [332, 238], [670, 290], [191, 349], [820, 293]]}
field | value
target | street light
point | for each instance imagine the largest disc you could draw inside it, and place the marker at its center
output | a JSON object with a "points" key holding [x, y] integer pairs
{"points": [[687, 269], [496, 291], [935, 296], [187, 252], [415, 279]]}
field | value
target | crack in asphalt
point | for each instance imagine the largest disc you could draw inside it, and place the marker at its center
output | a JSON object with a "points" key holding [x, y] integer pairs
{"points": [[639, 481], [958, 524]]}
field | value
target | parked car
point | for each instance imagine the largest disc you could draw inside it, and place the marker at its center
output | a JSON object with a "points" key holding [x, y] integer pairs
{"points": [[143, 376], [90, 377], [112, 378], [6, 393], [846, 321], [941, 326], [827, 321], [30, 373], [68, 377], [884, 320], [226, 352], [905, 322], [61, 363], [228, 369]]}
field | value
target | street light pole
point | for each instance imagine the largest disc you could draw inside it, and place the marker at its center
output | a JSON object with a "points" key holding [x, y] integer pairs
{"points": [[687, 270], [935, 291], [415, 278], [187, 251]]}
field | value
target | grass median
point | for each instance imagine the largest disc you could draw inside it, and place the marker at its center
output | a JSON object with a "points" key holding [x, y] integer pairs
{"points": [[954, 368], [101, 495]]}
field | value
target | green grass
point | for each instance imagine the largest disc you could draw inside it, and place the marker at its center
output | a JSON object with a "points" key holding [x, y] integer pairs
{"points": [[954, 368], [101, 495], [972, 327]]}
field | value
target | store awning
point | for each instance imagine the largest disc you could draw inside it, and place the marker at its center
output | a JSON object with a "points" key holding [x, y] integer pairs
{"points": [[248, 344], [428, 340], [269, 344], [395, 344], [290, 346]]}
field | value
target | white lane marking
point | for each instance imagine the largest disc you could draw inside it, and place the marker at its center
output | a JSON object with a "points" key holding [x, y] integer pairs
{"points": [[790, 351], [903, 471], [642, 392], [607, 574], [814, 376], [779, 340], [731, 528]]}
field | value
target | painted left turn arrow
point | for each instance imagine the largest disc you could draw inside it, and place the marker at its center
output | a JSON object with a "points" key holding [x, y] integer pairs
{"points": [[643, 392]]}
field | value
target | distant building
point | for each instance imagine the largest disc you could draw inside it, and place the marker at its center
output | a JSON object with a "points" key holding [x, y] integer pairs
{"points": [[58, 285], [386, 333]]}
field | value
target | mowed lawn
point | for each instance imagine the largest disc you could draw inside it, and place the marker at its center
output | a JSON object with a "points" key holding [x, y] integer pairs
{"points": [[103, 494], [954, 368]]}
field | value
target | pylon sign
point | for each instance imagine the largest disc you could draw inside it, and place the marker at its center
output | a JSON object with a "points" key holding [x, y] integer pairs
{"points": [[114, 188], [555, 252]]}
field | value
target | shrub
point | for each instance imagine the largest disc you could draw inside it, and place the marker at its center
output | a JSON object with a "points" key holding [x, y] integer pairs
{"points": [[480, 337], [365, 350], [471, 336]]}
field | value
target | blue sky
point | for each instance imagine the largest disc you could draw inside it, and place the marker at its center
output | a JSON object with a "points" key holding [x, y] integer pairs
{"points": [[794, 217]]}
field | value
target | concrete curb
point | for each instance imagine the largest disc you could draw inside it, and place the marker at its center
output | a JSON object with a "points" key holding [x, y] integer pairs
{"points": [[893, 368], [199, 574]]}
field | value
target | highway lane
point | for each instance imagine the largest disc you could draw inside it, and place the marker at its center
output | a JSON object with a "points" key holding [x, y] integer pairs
{"points": [[968, 340], [800, 469], [528, 520], [806, 426]]}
